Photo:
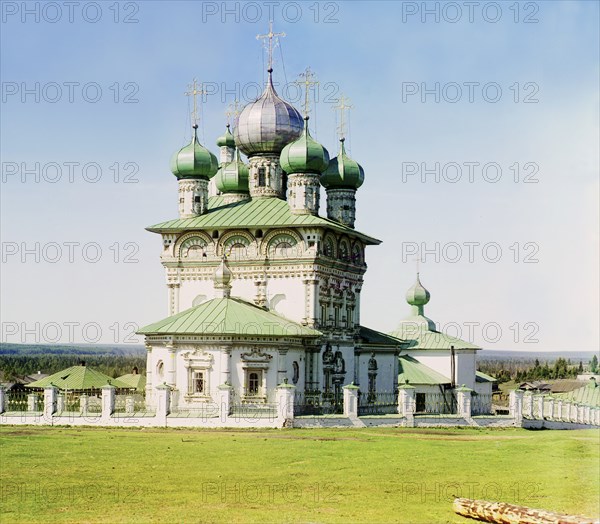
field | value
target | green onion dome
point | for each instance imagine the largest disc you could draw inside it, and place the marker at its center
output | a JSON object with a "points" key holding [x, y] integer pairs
{"points": [[194, 161], [417, 295], [343, 172], [233, 176], [226, 139], [304, 155]]}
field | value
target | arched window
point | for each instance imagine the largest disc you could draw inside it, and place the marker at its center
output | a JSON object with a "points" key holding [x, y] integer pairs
{"points": [[160, 370], [296, 370]]}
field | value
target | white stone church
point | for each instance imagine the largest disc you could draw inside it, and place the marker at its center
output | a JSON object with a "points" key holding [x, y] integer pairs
{"points": [[264, 290]]}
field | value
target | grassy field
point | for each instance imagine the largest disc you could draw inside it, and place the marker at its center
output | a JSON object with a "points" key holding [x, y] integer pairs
{"points": [[367, 475]]}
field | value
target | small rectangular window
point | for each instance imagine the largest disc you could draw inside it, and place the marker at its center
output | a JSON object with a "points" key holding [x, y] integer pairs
{"points": [[262, 177], [197, 199]]}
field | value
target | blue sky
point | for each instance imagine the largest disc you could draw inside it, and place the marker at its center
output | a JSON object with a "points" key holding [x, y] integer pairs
{"points": [[377, 53]]}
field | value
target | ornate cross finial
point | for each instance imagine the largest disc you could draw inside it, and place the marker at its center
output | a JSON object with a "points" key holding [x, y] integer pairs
{"points": [[233, 110], [194, 92], [309, 80], [342, 107], [417, 260], [270, 35]]}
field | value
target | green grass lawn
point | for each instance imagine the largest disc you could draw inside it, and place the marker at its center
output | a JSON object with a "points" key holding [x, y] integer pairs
{"points": [[342, 475]]}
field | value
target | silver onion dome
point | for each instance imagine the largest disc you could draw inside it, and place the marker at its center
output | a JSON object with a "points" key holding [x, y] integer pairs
{"points": [[268, 124]]}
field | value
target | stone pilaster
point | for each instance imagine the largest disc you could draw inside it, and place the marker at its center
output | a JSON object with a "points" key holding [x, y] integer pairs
{"points": [[350, 401]]}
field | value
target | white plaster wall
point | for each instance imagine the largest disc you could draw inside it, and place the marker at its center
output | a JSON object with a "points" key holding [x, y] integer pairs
{"points": [[293, 305], [385, 372]]}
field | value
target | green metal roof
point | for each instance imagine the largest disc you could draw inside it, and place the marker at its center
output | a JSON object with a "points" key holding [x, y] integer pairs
{"points": [[372, 337], [133, 381], [228, 316], [588, 395], [304, 155], [227, 139], [233, 176], [417, 338], [77, 378], [194, 160], [415, 372], [343, 172], [482, 377], [254, 213]]}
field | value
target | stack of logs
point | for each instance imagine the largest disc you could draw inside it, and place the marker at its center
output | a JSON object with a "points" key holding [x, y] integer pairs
{"points": [[501, 513]]}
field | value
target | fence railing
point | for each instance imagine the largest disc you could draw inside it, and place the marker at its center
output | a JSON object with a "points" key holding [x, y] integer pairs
{"points": [[436, 403], [481, 404], [546, 407], [379, 403], [317, 403]]}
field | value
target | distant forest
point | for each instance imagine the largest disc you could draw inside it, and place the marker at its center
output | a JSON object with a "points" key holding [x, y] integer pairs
{"points": [[18, 360], [521, 370]]}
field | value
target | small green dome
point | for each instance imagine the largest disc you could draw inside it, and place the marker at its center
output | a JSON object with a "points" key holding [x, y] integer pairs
{"points": [[343, 172], [226, 139], [304, 155], [233, 176], [194, 161], [417, 295]]}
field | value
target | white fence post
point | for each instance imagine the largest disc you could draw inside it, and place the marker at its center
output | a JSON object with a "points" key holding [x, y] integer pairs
{"points": [[50, 393], [350, 400], [108, 401], [406, 403], [225, 401], [527, 404], [516, 405], [463, 400], [285, 403], [550, 413], [163, 403]]}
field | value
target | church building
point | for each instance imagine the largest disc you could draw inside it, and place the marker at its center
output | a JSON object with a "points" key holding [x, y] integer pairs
{"points": [[264, 288]]}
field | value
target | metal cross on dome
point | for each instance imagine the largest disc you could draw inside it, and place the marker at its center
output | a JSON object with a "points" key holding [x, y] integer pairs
{"points": [[308, 81], [233, 110], [194, 92], [342, 107], [270, 35]]}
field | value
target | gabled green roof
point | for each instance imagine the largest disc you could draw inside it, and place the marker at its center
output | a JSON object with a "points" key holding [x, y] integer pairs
{"points": [[588, 395], [417, 338], [228, 316], [254, 213], [415, 372], [372, 337], [482, 377], [133, 380], [77, 378]]}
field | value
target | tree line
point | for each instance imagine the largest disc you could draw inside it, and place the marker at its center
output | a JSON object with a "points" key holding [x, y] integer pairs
{"points": [[523, 370], [15, 367]]}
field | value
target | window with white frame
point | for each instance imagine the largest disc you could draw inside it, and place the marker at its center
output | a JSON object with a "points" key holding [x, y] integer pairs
{"points": [[197, 383]]}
